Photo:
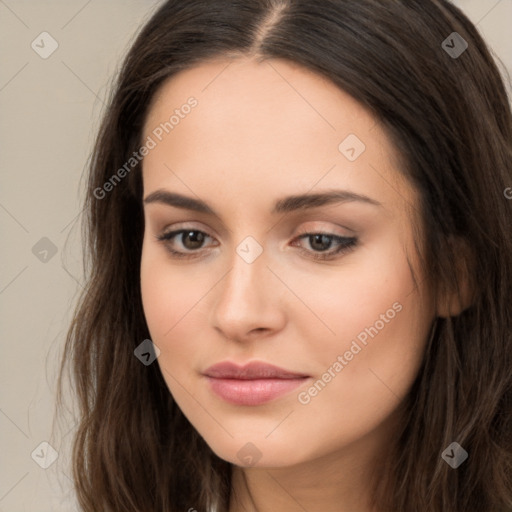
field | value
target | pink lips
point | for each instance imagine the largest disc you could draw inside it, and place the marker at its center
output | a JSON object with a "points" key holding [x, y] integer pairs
{"points": [[252, 384]]}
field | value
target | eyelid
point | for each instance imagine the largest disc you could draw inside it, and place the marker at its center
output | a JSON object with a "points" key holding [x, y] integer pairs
{"points": [[315, 230], [301, 231]]}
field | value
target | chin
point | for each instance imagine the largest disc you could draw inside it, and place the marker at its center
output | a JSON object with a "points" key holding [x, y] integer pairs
{"points": [[260, 453]]}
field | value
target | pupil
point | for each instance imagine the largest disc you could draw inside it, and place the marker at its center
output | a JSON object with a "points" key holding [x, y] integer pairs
{"points": [[322, 239], [196, 237]]}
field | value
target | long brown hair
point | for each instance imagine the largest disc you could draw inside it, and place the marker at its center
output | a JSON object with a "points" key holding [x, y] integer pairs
{"points": [[449, 118]]}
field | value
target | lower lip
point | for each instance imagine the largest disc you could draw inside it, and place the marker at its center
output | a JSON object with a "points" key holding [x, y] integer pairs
{"points": [[253, 392]]}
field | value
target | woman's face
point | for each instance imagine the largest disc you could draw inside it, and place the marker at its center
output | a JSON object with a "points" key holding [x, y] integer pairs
{"points": [[250, 160]]}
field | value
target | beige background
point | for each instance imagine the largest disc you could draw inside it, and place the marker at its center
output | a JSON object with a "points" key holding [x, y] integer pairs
{"points": [[49, 114]]}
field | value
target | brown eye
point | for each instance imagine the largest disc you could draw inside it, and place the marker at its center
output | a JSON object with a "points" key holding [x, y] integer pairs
{"points": [[320, 244], [191, 241]]}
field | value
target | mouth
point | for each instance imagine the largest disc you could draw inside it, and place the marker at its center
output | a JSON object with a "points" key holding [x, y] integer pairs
{"points": [[253, 384]]}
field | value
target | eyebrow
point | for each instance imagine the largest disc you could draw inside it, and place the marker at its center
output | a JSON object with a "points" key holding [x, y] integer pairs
{"points": [[285, 205]]}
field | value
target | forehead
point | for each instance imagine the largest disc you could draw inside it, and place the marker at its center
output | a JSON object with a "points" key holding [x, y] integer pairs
{"points": [[264, 124], [246, 98]]}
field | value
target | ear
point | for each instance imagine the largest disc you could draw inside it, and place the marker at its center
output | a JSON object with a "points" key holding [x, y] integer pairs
{"points": [[454, 299]]}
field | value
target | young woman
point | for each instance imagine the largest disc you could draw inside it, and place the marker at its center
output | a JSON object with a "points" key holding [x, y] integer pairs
{"points": [[300, 265]]}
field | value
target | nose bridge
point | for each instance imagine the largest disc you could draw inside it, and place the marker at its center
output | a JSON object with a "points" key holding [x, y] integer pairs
{"points": [[248, 268], [245, 301]]}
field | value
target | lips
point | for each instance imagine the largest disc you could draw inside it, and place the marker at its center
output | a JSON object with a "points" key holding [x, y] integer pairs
{"points": [[253, 384], [254, 370]]}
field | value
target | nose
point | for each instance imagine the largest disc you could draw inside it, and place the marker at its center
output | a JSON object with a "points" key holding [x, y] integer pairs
{"points": [[248, 304]]}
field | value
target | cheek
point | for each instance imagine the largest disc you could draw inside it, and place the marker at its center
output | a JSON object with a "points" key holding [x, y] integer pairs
{"points": [[174, 303], [380, 323], [361, 384], [369, 295]]}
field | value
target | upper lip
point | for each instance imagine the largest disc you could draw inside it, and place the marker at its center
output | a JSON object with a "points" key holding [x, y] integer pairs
{"points": [[253, 370]]}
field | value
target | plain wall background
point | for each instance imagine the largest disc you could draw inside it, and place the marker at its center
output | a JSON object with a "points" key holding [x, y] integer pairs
{"points": [[50, 110]]}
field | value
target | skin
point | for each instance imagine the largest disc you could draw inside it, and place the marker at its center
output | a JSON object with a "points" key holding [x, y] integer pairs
{"points": [[260, 132]]}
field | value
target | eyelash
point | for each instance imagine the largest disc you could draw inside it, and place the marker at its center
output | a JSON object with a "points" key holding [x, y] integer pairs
{"points": [[345, 245]]}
